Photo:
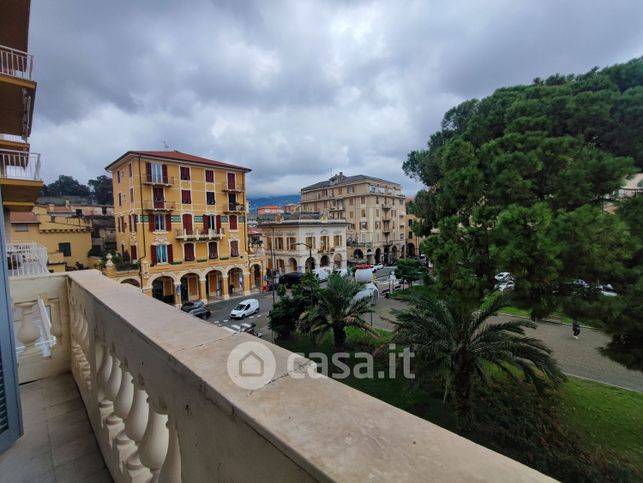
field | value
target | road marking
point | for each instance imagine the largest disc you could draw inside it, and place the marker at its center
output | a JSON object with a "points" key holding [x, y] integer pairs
{"points": [[230, 330], [225, 320]]}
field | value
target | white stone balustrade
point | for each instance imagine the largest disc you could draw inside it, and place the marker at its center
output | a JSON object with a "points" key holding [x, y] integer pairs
{"points": [[163, 408]]}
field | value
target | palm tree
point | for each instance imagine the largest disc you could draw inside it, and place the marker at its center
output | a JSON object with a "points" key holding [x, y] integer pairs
{"points": [[462, 345], [337, 310]]}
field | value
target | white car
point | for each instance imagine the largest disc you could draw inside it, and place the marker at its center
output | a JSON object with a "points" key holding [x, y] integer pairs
{"points": [[245, 308], [378, 266], [369, 291], [503, 276], [607, 290], [508, 285], [322, 274]]}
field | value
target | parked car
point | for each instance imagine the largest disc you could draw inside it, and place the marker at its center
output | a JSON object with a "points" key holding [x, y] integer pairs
{"points": [[607, 290], [579, 282], [342, 271], [508, 285], [370, 290], [290, 279], [321, 273], [245, 308], [189, 306], [378, 266], [201, 313], [503, 276]]}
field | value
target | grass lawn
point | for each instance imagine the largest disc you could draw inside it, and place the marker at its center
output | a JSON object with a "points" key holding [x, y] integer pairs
{"points": [[511, 310], [607, 417]]}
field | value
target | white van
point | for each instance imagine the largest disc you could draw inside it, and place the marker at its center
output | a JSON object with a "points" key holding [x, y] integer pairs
{"points": [[245, 308]]}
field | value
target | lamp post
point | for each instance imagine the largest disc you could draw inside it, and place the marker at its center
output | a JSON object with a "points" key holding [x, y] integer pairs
{"points": [[310, 254]]}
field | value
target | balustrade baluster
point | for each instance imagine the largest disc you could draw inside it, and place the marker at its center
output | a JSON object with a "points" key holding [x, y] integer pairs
{"points": [[135, 424], [153, 448], [113, 384], [171, 469], [28, 332], [103, 376]]}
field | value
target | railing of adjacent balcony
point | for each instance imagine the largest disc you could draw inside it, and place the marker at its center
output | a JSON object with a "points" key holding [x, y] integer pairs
{"points": [[196, 233], [236, 208], [19, 165], [26, 259], [152, 178], [15, 63], [159, 205]]}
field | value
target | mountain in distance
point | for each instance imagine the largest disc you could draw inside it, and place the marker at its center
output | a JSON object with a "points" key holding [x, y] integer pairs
{"points": [[280, 200]]}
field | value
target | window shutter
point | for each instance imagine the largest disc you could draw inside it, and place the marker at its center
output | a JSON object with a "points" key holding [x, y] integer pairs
{"points": [[218, 222], [153, 254], [148, 171], [233, 222], [168, 222], [205, 223], [134, 254], [164, 168], [151, 219], [170, 254]]}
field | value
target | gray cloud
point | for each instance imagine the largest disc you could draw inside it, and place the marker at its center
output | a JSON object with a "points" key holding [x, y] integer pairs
{"points": [[295, 90]]}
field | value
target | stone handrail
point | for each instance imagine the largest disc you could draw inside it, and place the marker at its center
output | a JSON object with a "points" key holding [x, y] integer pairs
{"points": [[163, 407]]}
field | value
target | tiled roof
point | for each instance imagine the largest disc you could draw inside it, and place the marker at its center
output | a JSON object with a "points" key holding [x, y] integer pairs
{"points": [[179, 156], [341, 180], [23, 217]]}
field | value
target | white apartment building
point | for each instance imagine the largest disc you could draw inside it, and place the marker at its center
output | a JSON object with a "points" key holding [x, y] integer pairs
{"points": [[295, 242], [374, 211]]}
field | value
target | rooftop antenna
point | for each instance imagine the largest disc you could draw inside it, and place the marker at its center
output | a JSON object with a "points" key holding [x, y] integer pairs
{"points": [[166, 145]]}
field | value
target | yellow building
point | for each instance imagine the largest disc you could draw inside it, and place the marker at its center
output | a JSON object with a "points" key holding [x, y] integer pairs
{"points": [[413, 240], [182, 220], [67, 239]]}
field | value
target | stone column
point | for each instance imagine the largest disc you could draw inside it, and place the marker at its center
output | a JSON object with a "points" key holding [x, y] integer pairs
{"points": [[224, 287], [203, 290], [177, 295], [246, 283]]}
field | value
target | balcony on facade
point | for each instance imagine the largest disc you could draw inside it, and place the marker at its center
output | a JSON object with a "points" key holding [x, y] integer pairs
{"points": [[234, 208], [233, 187], [21, 165], [163, 407], [26, 259], [386, 206], [15, 63], [159, 205], [153, 179], [196, 234]]}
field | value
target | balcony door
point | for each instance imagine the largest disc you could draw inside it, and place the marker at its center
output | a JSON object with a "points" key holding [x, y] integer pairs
{"points": [[231, 181], [159, 197], [187, 223], [10, 418]]}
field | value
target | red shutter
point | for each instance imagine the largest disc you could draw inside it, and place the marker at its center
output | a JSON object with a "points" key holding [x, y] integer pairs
{"points": [[168, 222], [218, 222], [134, 254], [189, 252], [233, 222], [205, 223], [153, 254], [151, 219], [164, 168], [170, 254], [148, 171]]}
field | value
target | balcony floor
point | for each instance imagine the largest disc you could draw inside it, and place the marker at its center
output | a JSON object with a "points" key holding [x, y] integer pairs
{"points": [[58, 444]]}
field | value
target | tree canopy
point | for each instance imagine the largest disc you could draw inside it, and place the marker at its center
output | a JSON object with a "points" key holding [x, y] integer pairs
{"points": [[519, 182], [66, 186]]}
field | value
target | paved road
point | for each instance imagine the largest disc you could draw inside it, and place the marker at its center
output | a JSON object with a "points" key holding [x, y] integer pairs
{"points": [[577, 357]]}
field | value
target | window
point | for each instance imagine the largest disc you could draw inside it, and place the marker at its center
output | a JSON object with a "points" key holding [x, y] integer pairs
{"points": [[213, 250], [157, 173], [324, 242], [188, 249], [129, 169], [350, 214], [291, 243], [209, 222], [159, 222], [134, 255], [233, 222], [65, 248], [131, 195], [120, 199], [349, 189], [410, 234], [21, 227], [209, 176], [400, 202], [377, 225], [362, 200], [209, 198], [377, 213], [118, 176], [410, 222], [337, 241], [185, 173], [363, 225], [161, 253], [340, 190], [186, 197], [363, 213], [280, 243], [234, 248], [350, 202], [311, 242]]}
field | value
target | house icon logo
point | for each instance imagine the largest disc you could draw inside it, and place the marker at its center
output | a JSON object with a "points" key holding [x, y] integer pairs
{"points": [[251, 365]]}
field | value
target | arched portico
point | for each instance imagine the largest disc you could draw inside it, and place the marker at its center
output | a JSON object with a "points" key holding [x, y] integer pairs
{"points": [[131, 281], [214, 283], [378, 255], [310, 263], [410, 250], [324, 261], [235, 281], [358, 253], [190, 287], [292, 265], [163, 289]]}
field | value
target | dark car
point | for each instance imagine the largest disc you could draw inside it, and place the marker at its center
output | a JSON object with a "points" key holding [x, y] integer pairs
{"points": [[189, 306], [201, 313], [290, 279]]}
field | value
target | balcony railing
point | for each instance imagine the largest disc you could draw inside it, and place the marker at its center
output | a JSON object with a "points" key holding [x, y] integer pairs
{"points": [[235, 208], [198, 234], [151, 178], [386, 207], [19, 165], [15, 63], [26, 259], [234, 187], [161, 394], [159, 205]]}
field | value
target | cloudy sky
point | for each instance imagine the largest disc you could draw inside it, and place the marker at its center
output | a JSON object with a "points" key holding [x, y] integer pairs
{"points": [[295, 90]]}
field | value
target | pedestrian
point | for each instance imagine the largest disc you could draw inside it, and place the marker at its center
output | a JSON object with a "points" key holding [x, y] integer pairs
{"points": [[575, 328]]}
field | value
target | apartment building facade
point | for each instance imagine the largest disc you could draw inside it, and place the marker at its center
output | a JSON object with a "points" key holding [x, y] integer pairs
{"points": [[181, 223], [374, 211], [295, 242]]}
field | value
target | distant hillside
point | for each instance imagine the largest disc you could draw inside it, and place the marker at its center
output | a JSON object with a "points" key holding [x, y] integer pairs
{"points": [[272, 200]]}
